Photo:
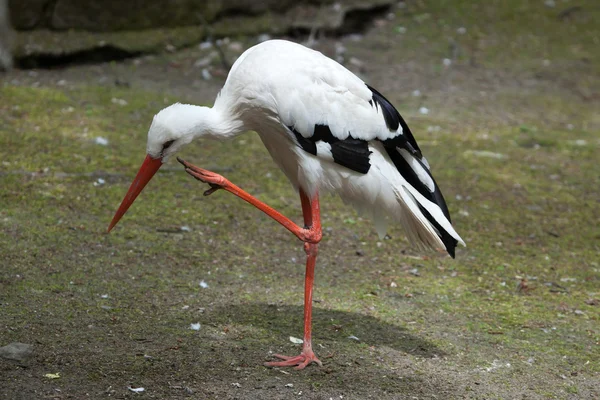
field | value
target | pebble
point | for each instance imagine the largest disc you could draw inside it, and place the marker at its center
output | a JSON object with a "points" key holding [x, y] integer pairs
{"points": [[203, 62], [195, 326], [120, 102], [236, 46], [101, 141], [263, 37], [16, 351]]}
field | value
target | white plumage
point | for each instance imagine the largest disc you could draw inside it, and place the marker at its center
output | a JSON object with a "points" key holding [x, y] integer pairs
{"points": [[329, 132], [279, 84]]}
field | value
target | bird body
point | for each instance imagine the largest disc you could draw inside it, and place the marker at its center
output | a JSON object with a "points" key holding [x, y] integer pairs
{"points": [[328, 131]]}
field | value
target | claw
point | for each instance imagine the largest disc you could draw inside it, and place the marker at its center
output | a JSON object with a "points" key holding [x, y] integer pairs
{"points": [[194, 174], [183, 162], [213, 188], [203, 176], [298, 362]]}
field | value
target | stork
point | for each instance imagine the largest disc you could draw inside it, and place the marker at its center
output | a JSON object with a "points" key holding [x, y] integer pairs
{"points": [[328, 131]]}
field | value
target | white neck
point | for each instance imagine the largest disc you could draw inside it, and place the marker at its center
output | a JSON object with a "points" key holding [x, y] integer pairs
{"points": [[184, 122], [197, 121]]}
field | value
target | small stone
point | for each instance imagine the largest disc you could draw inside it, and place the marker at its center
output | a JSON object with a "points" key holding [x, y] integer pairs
{"points": [[236, 46], [195, 326], [424, 110], [120, 102], [486, 154], [356, 62], [16, 351], [203, 62], [101, 141], [263, 37], [99, 182], [295, 340]]}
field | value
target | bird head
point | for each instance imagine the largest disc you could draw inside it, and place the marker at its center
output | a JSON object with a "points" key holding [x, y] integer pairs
{"points": [[169, 132]]}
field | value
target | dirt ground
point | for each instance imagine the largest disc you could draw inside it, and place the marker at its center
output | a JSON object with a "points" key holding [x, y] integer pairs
{"points": [[503, 98]]}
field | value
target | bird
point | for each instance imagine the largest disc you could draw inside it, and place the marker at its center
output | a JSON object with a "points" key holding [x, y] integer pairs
{"points": [[329, 132]]}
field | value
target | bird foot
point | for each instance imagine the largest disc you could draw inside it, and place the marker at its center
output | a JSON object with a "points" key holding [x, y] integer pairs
{"points": [[298, 362], [214, 180]]}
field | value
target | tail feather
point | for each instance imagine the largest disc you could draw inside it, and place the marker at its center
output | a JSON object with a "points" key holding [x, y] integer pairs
{"points": [[431, 223]]}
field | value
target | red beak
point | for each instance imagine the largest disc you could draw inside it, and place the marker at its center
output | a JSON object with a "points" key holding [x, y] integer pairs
{"points": [[146, 172]]}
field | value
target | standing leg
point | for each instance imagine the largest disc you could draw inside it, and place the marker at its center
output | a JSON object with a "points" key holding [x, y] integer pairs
{"points": [[310, 234], [312, 221]]}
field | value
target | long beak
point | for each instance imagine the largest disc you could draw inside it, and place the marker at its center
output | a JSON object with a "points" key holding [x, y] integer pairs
{"points": [[146, 172]]}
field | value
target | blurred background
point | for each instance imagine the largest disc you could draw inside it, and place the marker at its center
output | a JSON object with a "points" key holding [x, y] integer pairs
{"points": [[503, 98]]}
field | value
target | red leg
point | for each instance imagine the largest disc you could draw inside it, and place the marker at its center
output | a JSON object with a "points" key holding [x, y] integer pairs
{"points": [[312, 220], [310, 234]]}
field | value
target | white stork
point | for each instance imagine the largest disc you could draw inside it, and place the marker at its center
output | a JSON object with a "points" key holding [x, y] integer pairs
{"points": [[328, 131]]}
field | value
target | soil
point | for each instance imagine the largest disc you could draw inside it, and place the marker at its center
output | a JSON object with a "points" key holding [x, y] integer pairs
{"points": [[504, 105]]}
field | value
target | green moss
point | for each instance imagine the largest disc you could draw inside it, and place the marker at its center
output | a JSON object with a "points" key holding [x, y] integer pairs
{"points": [[508, 34], [529, 215]]}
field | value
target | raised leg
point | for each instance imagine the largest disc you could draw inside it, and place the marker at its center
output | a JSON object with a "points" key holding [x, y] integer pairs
{"points": [[310, 234]]}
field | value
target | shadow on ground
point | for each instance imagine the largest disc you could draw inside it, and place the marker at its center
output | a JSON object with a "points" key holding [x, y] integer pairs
{"points": [[329, 326]]}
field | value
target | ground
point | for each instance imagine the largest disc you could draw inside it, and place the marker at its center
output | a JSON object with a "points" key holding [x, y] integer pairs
{"points": [[503, 99]]}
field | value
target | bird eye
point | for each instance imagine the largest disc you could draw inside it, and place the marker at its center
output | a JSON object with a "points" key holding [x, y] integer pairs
{"points": [[168, 144]]}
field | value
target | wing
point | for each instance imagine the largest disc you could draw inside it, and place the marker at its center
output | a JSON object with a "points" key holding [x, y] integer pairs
{"points": [[333, 115], [348, 146]]}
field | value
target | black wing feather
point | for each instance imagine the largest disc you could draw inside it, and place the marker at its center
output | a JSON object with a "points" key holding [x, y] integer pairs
{"points": [[350, 152], [407, 141], [393, 120], [354, 154]]}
